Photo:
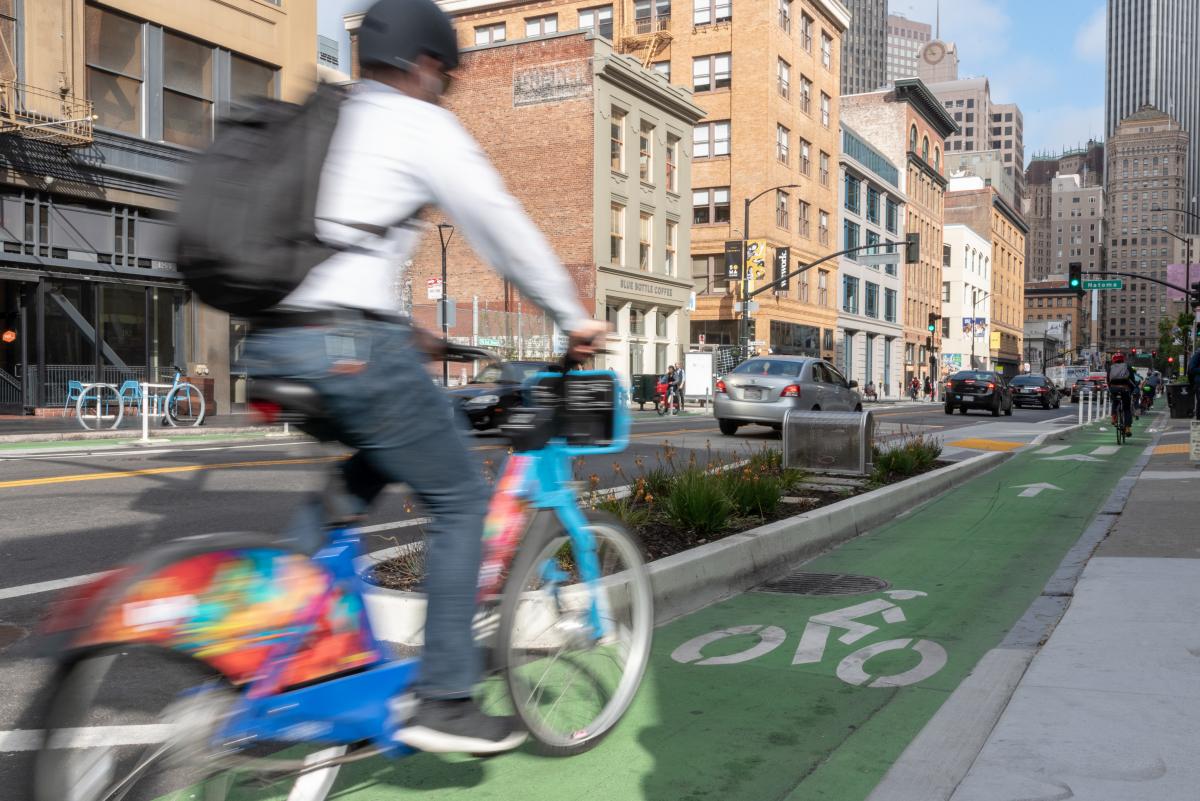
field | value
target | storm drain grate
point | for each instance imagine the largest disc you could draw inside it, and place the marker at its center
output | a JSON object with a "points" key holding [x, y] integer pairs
{"points": [[801, 583]]}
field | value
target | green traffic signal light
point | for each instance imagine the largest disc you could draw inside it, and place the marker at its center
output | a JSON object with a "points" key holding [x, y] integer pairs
{"points": [[1074, 283]]}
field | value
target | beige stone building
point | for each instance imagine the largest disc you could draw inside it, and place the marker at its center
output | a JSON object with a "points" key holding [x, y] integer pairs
{"points": [[985, 125], [768, 82], [983, 210], [102, 105], [1042, 248], [909, 127]]}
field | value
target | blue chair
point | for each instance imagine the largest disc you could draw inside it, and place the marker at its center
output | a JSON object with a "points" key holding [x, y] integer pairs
{"points": [[74, 390], [131, 394]]}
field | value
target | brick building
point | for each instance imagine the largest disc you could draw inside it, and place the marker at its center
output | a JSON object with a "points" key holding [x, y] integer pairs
{"points": [[593, 146], [1053, 301], [767, 79], [909, 127], [981, 208]]}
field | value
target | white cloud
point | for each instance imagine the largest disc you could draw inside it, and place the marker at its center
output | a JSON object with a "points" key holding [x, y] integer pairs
{"points": [[1090, 40]]}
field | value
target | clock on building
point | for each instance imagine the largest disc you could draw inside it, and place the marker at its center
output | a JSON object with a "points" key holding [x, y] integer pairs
{"points": [[934, 53]]}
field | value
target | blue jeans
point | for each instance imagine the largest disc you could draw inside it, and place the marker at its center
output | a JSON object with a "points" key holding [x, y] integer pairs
{"points": [[382, 402]]}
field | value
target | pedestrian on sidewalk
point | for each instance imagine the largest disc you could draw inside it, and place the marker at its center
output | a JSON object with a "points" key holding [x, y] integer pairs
{"points": [[914, 388], [1193, 373], [928, 389]]}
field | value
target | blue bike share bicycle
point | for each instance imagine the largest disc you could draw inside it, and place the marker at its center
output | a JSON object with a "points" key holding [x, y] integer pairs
{"points": [[229, 666]]}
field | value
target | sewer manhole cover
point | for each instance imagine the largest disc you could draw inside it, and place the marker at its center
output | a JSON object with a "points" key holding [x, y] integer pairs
{"points": [[802, 583], [9, 634]]}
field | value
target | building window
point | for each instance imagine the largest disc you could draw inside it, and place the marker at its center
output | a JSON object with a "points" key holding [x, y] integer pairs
{"points": [[708, 11], [803, 228], [660, 326], [871, 305], [711, 72], [872, 205], [672, 163], [663, 68], [710, 205], [617, 140], [781, 209], [646, 153], [709, 275], [912, 139], [781, 143], [783, 73], [637, 321], [536, 26], [598, 19], [945, 292], [925, 149], [849, 294], [710, 139], [250, 79], [823, 287], [805, 153], [187, 91], [488, 34], [652, 15], [825, 109], [114, 60], [785, 15], [672, 246], [805, 95], [853, 194], [889, 305], [823, 227], [937, 157], [645, 242], [850, 238], [826, 50], [824, 168], [806, 32], [616, 234]]}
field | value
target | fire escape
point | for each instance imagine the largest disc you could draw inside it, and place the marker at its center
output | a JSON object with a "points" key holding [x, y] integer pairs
{"points": [[55, 117], [649, 36]]}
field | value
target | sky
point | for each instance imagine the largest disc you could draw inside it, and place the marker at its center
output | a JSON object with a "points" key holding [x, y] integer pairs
{"points": [[1045, 55]]}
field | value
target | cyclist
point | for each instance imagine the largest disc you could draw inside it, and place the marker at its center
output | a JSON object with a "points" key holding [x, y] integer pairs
{"points": [[393, 152], [1120, 387]]}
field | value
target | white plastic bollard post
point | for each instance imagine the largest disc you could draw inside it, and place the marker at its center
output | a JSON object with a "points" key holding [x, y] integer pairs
{"points": [[145, 413], [1090, 414], [1080, 410]]}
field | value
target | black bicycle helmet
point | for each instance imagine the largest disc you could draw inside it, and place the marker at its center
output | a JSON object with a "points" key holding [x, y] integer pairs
{"points": [[395, 32]]}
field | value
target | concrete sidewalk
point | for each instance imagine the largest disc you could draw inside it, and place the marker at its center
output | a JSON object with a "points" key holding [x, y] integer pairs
{"points": [[1109, 709]]}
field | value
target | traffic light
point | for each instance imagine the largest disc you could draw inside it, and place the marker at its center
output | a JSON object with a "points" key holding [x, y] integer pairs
{"points": [[1075, 275], [8, 337], [933, 318], [1170, 360], [912, 248]]}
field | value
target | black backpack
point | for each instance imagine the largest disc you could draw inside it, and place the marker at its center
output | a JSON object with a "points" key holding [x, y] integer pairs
{"points": [[247, 227]]}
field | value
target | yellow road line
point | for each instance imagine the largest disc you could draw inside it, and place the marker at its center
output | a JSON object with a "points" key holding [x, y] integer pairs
{"points": [[1177, 447], [157, 471], [986, 444]]}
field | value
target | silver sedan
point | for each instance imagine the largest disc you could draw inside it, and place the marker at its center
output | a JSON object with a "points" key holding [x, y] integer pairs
{"points": [[761, 390]]}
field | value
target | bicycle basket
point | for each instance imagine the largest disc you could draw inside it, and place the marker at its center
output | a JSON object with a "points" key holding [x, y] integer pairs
{"points": [[582, 408]]}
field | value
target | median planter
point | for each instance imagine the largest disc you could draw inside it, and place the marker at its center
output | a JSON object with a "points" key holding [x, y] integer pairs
{"points": [[701, 575]]}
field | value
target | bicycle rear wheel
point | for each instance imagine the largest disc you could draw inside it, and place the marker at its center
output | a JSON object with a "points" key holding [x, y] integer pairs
{"points": [[568, 688], [185, 406], [139, 724]]}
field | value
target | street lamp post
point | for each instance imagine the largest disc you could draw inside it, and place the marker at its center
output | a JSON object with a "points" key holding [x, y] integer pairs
{"points": [[445, 234], [744, 328], [974, 303], [1187, 283]]}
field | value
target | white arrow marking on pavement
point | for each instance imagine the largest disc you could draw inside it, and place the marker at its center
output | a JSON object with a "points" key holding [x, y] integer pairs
{"points": [[1050, 449], [1033, 490], [1105, 450], [1072, 457]]}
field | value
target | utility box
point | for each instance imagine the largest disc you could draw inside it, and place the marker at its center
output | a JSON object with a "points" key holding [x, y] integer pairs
{"points": [[698, 378], [831, 442], [1180, 400]]}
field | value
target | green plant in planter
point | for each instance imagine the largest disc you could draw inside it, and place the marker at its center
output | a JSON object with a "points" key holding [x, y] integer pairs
{"points": [[697, 503], [753, 492], [914, 454], [630, 510]]}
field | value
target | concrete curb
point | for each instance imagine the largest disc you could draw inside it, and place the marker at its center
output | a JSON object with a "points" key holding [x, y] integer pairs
{"points": [[76, 436], [941, 755], [699, 577]]}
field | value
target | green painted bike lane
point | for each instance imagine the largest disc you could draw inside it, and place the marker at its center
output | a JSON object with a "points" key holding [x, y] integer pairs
{"points": [[767, 728]]}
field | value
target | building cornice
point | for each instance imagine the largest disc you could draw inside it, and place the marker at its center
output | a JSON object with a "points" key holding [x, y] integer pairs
{"points": [[627, 73], [836, 11], [927, 168], [915, 92], [1009, 212]]}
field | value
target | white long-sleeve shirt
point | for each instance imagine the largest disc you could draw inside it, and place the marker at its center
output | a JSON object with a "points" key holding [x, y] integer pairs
{"points": [[390, 156]]}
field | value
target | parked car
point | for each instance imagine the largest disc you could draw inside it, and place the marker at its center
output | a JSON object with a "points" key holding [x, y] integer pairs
{"points": [[762, 389], [487, 398], [1090, 384], [1035, 389], [978, 389]]}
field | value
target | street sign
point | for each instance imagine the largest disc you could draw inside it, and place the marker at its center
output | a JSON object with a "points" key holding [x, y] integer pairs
{"points": [[450, 311], [1107, 283], [433, 288]]}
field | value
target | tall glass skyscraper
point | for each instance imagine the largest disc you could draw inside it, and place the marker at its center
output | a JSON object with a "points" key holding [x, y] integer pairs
{"points": [[864, 47]]}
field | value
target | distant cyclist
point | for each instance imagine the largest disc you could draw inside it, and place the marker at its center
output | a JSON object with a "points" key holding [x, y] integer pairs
{"points": [[1121, 383]]}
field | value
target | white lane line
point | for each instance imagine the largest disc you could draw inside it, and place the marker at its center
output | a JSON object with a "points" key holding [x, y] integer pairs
{"points": [[1064, 418], [1052, 449], [150, 450], [1168, 475], [90, 737], [60, 584], [1106, 450]]}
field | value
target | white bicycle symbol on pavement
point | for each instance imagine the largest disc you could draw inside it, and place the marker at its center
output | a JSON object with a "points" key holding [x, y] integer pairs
{"points": [[813, 642]]}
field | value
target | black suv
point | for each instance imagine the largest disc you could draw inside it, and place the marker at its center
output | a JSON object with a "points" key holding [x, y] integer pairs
{"points": [[978, 389], [1035, 390]]}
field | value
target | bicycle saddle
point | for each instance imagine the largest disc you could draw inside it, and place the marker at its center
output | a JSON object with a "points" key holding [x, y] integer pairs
{"points": [[282, 400]]}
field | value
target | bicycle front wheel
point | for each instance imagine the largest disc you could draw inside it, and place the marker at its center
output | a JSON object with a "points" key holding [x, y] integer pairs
{"points": [[569, 687], [185, 406]]}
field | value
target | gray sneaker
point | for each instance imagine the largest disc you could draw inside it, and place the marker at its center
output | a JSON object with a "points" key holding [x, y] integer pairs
{"points": [[459, 726]]}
